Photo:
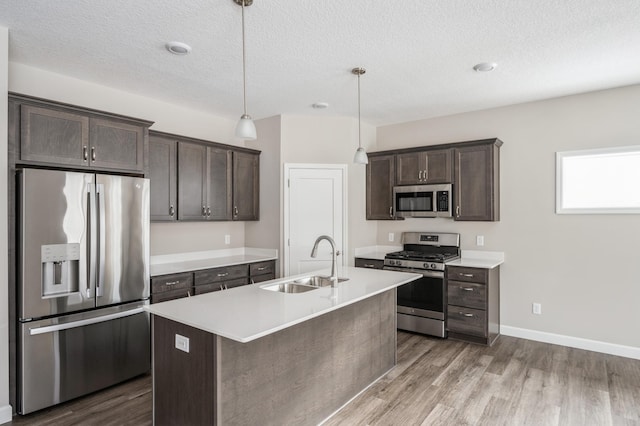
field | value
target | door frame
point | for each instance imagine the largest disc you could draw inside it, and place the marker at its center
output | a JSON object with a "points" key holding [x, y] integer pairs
{"points": [[286, 235]]}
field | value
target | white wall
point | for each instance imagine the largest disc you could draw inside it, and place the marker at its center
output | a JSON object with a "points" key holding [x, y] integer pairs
{"points": [[165, 238], [5, 409], [584, 270]]}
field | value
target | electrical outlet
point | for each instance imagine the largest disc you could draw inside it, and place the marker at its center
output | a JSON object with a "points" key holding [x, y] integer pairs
{"points": [[227, 239], [537, 308], [182, 343], [479, 240], [391, 237]]}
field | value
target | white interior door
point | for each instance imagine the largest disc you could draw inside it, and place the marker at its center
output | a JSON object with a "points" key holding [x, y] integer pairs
{"points": [[314, 205]]}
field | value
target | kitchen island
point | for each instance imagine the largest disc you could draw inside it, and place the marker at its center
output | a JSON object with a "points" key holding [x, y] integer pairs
{"points": [[254, 356]]}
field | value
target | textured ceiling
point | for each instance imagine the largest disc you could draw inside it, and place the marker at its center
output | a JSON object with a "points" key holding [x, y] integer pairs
{"points": [[418, 54]]}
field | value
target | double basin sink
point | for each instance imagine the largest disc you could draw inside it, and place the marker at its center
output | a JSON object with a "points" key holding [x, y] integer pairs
{"points": [[301, 285]]}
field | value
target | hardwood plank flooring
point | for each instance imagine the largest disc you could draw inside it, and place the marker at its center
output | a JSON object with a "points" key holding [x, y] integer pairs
{"points": [[438, 382]]}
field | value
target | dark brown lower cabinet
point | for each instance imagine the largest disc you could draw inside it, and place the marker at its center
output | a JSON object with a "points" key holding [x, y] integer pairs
{"points": [[176, 286], [473, 310]]}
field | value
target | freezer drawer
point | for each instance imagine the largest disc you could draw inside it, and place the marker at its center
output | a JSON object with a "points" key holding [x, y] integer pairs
{"points": [[67, 357]]}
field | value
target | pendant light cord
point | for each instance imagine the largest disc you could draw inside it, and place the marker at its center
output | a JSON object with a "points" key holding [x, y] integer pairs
{"points": [[359, 142], [244, 65]]}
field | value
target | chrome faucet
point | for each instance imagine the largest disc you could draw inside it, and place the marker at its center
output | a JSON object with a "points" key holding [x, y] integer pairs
{"points": [[334, 257]]}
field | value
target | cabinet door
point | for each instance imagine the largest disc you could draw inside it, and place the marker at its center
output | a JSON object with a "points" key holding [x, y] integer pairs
{"points": [[476, 183], [116, 145], [424, 167], [163, 176], [246, 187], [408, 168], [380, 181], [218, 184], [192, 173], [53, 136], [437, 166]]}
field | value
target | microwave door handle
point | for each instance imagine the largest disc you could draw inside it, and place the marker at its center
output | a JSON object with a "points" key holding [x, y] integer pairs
{"points": [[101, 239]]}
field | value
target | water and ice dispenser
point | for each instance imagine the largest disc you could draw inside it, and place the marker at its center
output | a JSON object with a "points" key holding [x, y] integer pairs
{"points": [[60, 269]]}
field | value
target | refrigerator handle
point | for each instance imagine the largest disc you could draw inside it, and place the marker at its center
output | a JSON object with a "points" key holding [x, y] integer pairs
{"points": [[92, 231], [81, 323], [101, 238]]}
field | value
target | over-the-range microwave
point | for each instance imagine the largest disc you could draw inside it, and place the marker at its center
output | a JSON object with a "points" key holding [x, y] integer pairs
{"points": [[422, 200]]}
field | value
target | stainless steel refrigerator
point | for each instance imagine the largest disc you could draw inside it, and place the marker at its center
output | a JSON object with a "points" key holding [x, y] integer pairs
{"points": [[83, 278]]}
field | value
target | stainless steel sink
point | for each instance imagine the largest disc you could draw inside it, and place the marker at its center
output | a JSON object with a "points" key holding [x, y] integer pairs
{"points": [[317, 281], [302, 285], [289, 287]]}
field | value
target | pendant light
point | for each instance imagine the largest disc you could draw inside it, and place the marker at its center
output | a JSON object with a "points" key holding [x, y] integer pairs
{"points": [[361, 154], [245, 129]]}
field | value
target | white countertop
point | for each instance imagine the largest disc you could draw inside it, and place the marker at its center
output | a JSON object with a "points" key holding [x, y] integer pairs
{"points": [[478, 259], [249, 312], [375, 252], [192, 261]]}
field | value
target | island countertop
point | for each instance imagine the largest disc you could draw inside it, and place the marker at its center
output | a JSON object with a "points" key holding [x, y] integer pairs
{"points": [[249, 312]]}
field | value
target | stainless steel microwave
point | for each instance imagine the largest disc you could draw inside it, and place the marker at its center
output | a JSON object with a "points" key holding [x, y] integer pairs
{"points": [[422, 200]]}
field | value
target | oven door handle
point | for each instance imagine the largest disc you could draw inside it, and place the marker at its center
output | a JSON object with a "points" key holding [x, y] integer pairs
{"points": [[431, 274]]}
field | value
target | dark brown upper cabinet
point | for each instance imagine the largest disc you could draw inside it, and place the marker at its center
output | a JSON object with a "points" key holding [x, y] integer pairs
{"points": [[423, 167], [477, 181], [55, 134], [380, 181], [204, 182], [246, 186], [163, 175]]}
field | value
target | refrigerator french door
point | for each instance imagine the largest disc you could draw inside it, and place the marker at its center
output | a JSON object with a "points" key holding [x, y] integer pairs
{"points": [[83, 277]]}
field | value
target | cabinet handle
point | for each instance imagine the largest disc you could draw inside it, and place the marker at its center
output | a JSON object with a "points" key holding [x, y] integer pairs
{"points": [[235, 210], [93, 153], [225, 287], [466, 315], [426, 174], [262, 268], [85, 153], [420, 175], [221, 287], [172, 211], [466, 288], [208, 211], [189, 293], [457, 211], [390, 211], [223, 275], [170, 283], [466, 275], [204, 211], [369, 265]]}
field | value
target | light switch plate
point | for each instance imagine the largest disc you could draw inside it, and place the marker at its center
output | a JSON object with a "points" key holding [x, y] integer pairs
{"points": [[479, 240], [391, 237], [227, 239], [182, 343], [537, 308]]}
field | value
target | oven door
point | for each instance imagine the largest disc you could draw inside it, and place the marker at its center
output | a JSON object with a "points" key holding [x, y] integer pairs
{"points": [[423, 297]]}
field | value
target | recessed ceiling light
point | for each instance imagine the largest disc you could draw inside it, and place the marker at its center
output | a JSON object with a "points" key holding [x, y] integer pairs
{"points": [[178, 48], [485, 66], [320, 105]]}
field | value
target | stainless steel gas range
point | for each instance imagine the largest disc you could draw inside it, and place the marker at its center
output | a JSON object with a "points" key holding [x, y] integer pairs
{"points": [[422, 303]]}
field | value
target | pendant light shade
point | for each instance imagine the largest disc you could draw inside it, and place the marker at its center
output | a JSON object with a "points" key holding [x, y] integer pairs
{"points": [[361, 155], [245, 129]]}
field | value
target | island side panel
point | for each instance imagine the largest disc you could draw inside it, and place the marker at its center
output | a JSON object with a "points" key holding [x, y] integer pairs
{"points": [[183, 383], [303, 374]]}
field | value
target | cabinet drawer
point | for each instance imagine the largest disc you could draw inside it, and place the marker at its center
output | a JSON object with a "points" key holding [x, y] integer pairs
{"points": [[264, 277], [221, 274], [472, 275], [171, 295], [171, 282], [467, 321], [369, 263], [261, 268], [467, 294]]}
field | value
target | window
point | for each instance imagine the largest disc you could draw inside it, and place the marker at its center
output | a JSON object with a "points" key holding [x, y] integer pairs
{"points": [[598, 181]]}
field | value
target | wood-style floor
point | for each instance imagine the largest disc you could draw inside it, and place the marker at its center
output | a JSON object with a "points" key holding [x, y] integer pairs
{"points": [[439, 382]]}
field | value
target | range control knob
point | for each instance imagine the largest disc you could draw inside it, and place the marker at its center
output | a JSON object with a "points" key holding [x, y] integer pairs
{"points": [[433, 266], [425, 265]]}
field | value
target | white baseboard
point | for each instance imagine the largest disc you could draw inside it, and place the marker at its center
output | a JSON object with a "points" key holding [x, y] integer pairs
{"points": [[5, 414], [572, 342]]}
